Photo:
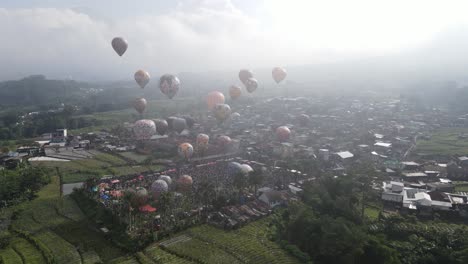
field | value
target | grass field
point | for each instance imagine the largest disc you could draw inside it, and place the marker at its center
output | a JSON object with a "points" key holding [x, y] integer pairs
{"points": [[444, 142]]}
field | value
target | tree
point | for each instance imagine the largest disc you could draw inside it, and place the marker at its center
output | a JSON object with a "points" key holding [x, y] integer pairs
{"points": [[240, 182], [256, 178]]}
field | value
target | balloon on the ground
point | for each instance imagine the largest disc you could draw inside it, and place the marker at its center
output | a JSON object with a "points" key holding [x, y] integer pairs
{"points": [[235, 92], [140, 105], [170, 120], [169, 85], [214, 98], [222, 112], [179, 124], [278, 74], [161, 126], [166, 178], [144, 129], [185, 183], [235, 116], [233, 168], [304, 119], [224, 141], [120, 45], [185, 150], [189, 121], [246, 169], [244, 75], [251, 85], [283, 133], [202, 140], [142, 78], [158, 187]]}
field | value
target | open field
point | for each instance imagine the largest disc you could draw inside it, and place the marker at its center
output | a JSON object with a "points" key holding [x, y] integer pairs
{"points": [[99, 165], [444, 142]]}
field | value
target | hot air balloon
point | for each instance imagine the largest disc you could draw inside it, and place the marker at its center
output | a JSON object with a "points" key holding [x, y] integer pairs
{"points": [[166, 178], [140, 105], [161, 126], [185, 183], [222, 112], [235, 92], [224, 141], [246, 169], [185, 150], [251, 84], [189, 121], [202, 140], [144, 129], [278, 74], [169, 85], [142, 78], [235, 116], [214, 98], [233, 168], [120, 45], [170, 120], [141, 194], [283, 133], [244, 75], [179, 124], [304, 119], [158, 187]]}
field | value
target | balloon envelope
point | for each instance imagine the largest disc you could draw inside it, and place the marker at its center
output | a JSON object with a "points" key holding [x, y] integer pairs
{"points": [[222, 112], [202, 140], [158, 187], [185, 150], [223, 141], [161, 126], [251, 84], [283, 133], [142, 78], [189, 121], [169, 85], [140, 105], [166, 178], [233, 168], [278, 74], [304, 119], [214, 98], [144, 129], [244, 75], [246, 169], [179, 124], [235, 92], [120, 45], [185, 183]]}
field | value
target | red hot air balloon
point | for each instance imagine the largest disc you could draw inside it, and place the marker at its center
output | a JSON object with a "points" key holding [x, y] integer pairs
{"points": [[184, 184], [244, 75], [142, 78], [278, 74], [251, 85], [235, 92], [140, 105], [214, 98], [169, 85], [283, 133], [120, 45]]}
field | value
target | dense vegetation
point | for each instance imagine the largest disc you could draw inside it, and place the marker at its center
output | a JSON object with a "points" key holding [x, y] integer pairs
{"points": [[21, 184], [330, 226]]}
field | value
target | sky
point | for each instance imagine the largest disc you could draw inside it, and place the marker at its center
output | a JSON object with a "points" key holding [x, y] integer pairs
{"points": [[71, 38]]}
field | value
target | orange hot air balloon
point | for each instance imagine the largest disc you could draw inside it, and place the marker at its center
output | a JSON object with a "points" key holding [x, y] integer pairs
{"points": [[185, 150], [120, 45], [244, 75], [251, 85], [142, 78], [235, 92], [202, 140], [214, 98], [140, 105], [283, 133], [278, 74]]}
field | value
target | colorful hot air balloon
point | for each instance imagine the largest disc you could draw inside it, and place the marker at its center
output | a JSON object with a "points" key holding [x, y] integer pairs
{"points": [[244, 75], [140, 105], [185, 150], [278, 74], [169, 85], [161, 126], [283, 133], [142, 78], [166, 178], [179, 124], [222, 112], [184, 183], [202, 140], [120, 45], [235, 92], [144, 129], [251, 84], [214, 98], [158, 187], [224, 141]]}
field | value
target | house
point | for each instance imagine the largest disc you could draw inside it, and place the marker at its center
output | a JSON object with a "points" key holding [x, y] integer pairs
{"points": [[344, 155], [410, 165], [393, 192], [414, 176], [273, 198], [441, 187]]}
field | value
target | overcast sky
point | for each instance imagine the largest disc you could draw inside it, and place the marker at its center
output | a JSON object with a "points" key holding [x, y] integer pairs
{"points": [[71, 38]]}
